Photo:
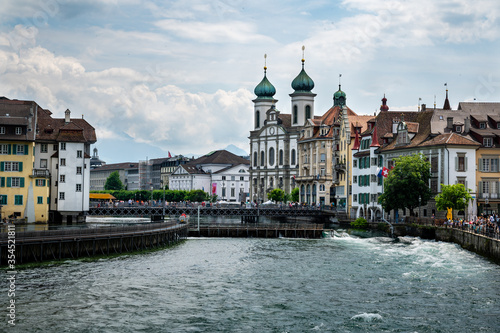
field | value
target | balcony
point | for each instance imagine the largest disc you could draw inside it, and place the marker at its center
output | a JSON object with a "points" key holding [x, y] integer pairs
{"points": [[40, 173], [488, 195], [340, 167]]}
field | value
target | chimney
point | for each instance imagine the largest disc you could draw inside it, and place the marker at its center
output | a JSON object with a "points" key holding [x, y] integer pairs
{"points": [[66, 116], [449, 122], [467, 125], [423, 107]]}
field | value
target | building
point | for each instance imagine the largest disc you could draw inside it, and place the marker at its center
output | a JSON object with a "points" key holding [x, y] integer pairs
{"points": [[169, 165], [219, 173], [95, 161], [51, 162], [273, 141], [128, 172]]}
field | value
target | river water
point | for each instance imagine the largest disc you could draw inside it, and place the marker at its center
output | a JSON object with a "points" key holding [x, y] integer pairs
{"points": [[339, 284]]}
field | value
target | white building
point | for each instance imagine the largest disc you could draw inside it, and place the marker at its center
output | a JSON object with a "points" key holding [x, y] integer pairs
{"points": [[220, 172]]}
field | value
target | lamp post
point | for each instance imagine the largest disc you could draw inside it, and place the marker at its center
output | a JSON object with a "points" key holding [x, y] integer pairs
{"points": [[161, 181]]}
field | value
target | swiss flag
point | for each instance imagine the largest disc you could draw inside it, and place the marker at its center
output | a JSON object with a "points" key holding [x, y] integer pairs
{"points": [[385, 172], [169, 154]]}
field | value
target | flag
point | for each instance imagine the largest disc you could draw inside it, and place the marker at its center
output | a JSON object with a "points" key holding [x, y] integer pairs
{"points": [[169, 155], [214, 188], [379, 173], [385, 172]]}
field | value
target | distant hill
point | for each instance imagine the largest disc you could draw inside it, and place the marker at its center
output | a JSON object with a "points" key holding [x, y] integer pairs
{"points": [[235, 150]]}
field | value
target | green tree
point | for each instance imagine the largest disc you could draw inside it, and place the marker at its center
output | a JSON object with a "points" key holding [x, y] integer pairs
{"points": [[277, 195], [407, 184], [453, 196], [295, 194], [113, 182], [197, 196]]}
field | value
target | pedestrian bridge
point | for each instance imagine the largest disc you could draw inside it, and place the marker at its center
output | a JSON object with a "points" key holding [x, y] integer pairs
{"points": [[204, 211]]}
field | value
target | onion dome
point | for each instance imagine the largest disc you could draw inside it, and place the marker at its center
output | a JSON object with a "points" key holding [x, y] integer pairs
{"points": [[339, 98], [384, 106], [265, 89], [302, 83]]}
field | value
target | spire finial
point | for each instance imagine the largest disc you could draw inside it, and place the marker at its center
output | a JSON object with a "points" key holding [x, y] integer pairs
{"points": [[303, 56], [265, 62], [340, 75]]}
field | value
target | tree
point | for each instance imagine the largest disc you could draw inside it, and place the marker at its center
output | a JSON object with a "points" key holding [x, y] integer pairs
{"points": [[113, 182], [295, 194], [453, 196], [276, 195], [197, 196], [407, 184]]}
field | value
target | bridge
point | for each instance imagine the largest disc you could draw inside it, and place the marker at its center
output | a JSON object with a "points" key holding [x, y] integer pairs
{"points": [[158, 212]]}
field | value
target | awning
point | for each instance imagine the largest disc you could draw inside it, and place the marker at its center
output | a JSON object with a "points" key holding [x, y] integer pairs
{"points": [[101, 196]]}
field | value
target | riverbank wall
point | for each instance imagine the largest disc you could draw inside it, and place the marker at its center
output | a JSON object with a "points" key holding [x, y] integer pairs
{"points": [[477, 243], [39, 246]]}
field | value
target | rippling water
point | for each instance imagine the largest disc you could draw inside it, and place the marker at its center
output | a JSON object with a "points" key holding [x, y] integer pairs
{"points": [[343, 284]]}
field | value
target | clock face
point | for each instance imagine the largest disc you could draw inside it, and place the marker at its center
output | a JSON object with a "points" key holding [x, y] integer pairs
{"points": [[271, 130]]}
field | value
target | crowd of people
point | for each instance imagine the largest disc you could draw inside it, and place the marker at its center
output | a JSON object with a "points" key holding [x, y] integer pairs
{"points": [[488, 225]]}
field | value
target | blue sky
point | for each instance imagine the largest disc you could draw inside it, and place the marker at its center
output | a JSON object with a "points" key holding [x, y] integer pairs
{"points": [[178, 76]]}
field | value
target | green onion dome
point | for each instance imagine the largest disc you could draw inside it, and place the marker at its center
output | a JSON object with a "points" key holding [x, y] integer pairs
{"points": [[339, 97], [302, 83], [265, 89]]}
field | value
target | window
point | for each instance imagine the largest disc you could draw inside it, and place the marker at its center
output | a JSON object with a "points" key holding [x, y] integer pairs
{"points": [[43, 148], [254, 158], [293, 157], [355, 179], [61, 195], [40, 182], [281, 156], [62, 178], [295, 114], [257, 119], [2, 130], [355, 163], [355, 197], [43, 163], [78, 170], [15, 182], [12, 166], [323, 157], [262, 158], [39, 200], [242, 178], [3, 199], [55, 147], [461, 163], [78, 187], [434, 185], [18, 200], [20, 149], [4, 149], [271, 156], [482, 125], [79, 154], [322, 172], [223, 177], [232, 192], [308, 111], [487, 142], [223, 192], [19, 131], [374, 161], [63, 145], [488, 164], [63, 162]]}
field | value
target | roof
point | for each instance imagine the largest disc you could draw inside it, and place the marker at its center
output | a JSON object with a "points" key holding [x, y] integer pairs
{"points": [[117, 166], [450, 139], [218, 157], [56, 129], [480, 107], [18, 113], [101, 196]]}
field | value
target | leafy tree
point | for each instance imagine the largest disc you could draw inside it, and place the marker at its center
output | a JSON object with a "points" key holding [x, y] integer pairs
{"points": [[276, 195], [407, 184], [453, 196], [295, 194], [113, 182], [360, 223], [196, 196]]}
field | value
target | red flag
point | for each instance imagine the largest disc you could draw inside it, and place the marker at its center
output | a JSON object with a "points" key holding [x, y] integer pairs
{"points": [[169, 154], [385, 172]]}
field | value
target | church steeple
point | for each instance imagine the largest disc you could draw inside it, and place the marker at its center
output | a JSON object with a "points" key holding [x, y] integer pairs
{"points": [[384, 106], [446, 105], [339, 97], [303, 83], [265, 89]]}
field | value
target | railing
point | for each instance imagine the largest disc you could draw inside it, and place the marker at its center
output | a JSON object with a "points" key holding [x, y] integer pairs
{"points": [[488, 195], [41, 173]]}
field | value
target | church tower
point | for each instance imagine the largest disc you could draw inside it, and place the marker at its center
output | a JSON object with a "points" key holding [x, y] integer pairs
{"points": [[264, 101], [302, 97]]}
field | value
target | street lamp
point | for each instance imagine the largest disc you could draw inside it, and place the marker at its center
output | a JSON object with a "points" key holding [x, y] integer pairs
{"points": [[161, 181]]}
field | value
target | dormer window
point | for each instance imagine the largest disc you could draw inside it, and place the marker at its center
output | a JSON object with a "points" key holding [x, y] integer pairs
{"points": [[403, 138], [482, 125], [458, 129], [487, 142], [19, 131]]}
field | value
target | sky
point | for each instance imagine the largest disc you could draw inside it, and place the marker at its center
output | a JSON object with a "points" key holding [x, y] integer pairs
{"points": [[154, 77]]}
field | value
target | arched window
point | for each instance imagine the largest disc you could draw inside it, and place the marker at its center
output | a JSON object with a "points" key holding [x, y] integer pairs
{"points": [[254, 158], [293, 158], [271, 156], [302, 193], [262, 158], [295, 114], [257, 119], [308, 112], [281, 156]]}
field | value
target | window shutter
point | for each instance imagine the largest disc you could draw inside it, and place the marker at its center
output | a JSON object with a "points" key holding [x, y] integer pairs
{"points": [[456, 163], [8, 181], [14, 149], [480, 189], [26, 152], [466, 185], [9, 150], [2, 166], [20, 166], [480, 166], [43, 182], [21, 183], [465, 161], [2, 181]]}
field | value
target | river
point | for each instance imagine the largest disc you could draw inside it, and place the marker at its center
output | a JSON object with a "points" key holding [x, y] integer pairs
{"points": [[339, 284]]}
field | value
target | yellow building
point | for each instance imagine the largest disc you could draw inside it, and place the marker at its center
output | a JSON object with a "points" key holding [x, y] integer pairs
{"points": [[24, 192]]}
